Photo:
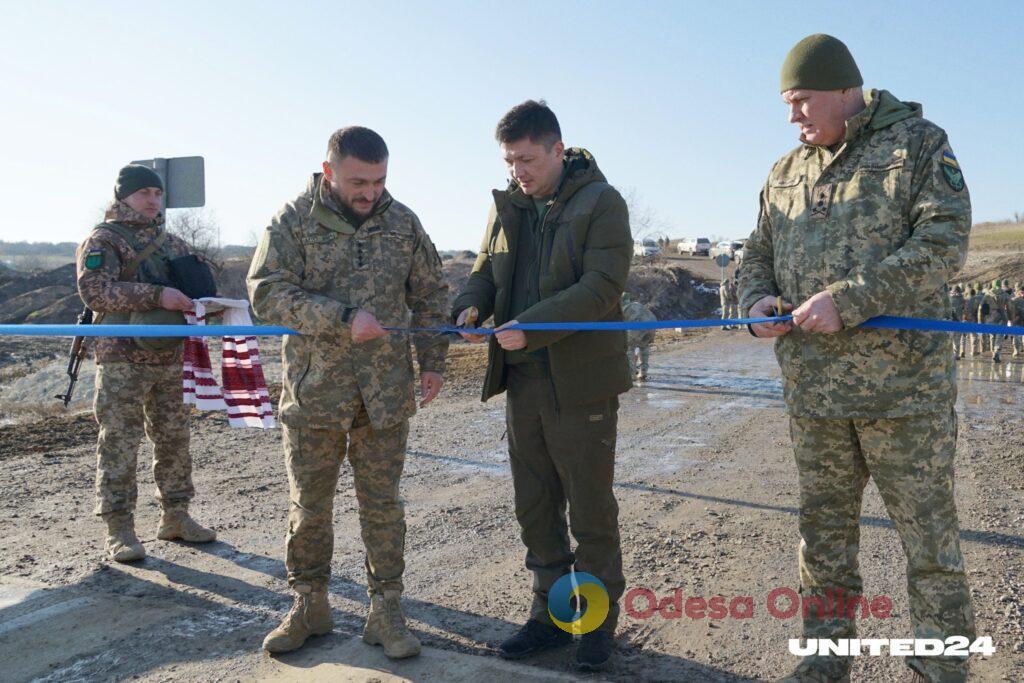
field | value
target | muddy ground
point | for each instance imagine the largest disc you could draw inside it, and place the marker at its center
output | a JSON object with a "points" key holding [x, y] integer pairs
{"points": [[708, 497]]}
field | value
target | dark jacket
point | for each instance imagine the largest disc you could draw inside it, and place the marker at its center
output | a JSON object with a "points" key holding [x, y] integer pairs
{"points": [[586, 247]]}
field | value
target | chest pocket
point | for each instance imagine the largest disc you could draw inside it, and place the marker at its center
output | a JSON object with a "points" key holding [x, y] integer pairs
{"points": [[387, 252], [789, 214], [867, 214]]}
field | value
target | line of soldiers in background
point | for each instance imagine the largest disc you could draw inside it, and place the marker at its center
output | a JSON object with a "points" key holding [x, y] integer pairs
{"points": [[995, 303]]}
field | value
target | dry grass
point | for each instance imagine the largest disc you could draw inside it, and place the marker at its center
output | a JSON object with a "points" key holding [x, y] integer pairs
{"points": [[1003, 236]]}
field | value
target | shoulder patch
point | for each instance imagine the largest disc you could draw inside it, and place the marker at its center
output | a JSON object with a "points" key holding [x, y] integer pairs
{"points": [[951, 170], [94, 259]]}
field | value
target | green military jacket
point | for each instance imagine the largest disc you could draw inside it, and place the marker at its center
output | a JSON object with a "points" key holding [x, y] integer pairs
{"points": [[882, 224], [993, 308], [102, 260], [586, 247], [311, 265]]}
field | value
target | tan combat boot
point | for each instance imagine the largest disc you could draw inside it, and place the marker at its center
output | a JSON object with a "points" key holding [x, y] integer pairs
{"points": [[385, 625], [175, 523], [122, 545], [310, 616]]}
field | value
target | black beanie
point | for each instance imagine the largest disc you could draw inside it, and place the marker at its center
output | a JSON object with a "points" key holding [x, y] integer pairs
{"points": [[133, 178]]}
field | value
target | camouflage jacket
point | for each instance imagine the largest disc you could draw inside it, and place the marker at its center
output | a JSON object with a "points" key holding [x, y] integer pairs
{"points": [[882, 224], [311, 265], [1017, 310], [993, 308], [635, 311], [101, 258], [972, 304], [957, 307]]}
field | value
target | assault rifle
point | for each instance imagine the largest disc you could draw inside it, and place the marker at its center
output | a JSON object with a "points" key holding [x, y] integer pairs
{"points": [[77, 355]]}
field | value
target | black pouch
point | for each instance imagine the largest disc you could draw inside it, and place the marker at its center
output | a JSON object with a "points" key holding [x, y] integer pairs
{"points": [[193, 277]]}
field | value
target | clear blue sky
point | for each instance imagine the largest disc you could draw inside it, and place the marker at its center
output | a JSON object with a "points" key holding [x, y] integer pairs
{"points": [[678, 101]]}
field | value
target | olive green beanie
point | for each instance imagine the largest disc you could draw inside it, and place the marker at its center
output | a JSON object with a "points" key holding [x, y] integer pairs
{"points": [[133, 178], [820, 62]]}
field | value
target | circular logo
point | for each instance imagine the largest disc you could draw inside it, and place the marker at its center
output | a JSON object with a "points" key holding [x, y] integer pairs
{"points": [[568, 617]]}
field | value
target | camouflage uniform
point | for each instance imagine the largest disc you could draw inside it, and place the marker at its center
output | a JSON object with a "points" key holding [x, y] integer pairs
{"points": [[638, 342], [993, 310], [341, 398], [728, 298], [957, 308], [972, 304], [1016, 309], [137, 391], [882, 224]]}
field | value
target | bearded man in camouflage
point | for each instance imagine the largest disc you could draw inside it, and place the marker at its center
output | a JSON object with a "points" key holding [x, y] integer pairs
{"points": [[336, 264], [124, 277], [868, 216]]}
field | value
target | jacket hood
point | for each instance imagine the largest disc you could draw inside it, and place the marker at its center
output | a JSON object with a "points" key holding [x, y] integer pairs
{"points": [[883, 110], [327, 211], [579, 169]]}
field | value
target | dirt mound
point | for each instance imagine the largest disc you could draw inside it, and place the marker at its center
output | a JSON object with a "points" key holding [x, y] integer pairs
{"points": [[989, 266], [671, 292]]}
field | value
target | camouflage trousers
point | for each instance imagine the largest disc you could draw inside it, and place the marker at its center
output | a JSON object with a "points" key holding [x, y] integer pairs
{"points": [[730, 310], [313, 459], [131, 400], [639, 356], [911, 461], [959, 344]]}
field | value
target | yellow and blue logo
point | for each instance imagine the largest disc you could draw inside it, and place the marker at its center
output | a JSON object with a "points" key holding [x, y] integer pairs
{"points": [[565, 612]]}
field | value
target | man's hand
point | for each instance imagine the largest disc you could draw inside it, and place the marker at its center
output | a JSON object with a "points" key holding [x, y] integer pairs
{"points": [[174, 300], [365, 327], [510, 340], [430, 386], [468, 317], [763, 309], [818, 314]]}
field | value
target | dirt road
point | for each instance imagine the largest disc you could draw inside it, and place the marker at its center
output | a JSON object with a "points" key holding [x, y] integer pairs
{"points": [[708, 497]]}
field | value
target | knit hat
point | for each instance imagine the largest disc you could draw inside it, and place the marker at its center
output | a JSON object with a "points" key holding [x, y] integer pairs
{"points": [[133, 178], [820, 62]]}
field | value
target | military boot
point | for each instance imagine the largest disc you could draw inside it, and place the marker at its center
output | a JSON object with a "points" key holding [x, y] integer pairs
{"points": [[310, 616], [385, 625], [122, 545], [175, 523]]}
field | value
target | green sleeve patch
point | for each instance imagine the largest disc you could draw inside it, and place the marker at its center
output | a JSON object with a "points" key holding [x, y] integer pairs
{"points": [[954, 176], [94, 259]]}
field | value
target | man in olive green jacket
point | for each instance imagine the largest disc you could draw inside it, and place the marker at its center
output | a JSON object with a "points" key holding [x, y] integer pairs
{"points": [[557, 248]]}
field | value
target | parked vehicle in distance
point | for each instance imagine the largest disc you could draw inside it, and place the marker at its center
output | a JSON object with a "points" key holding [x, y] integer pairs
{"points": [[646, 248], [727, 247], [694, 246]]}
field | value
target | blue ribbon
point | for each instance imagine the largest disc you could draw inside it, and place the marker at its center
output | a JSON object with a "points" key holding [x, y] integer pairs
{"points": [[883, 322], [144, 330]]}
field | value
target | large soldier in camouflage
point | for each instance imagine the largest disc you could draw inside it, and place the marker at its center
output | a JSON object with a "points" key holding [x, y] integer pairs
{"points": [[336, 264], [868, 216], [123, 276]]}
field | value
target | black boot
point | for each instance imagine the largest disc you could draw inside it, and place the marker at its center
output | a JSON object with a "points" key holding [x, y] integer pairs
{"points": [[532, 638], [595, 650]]}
